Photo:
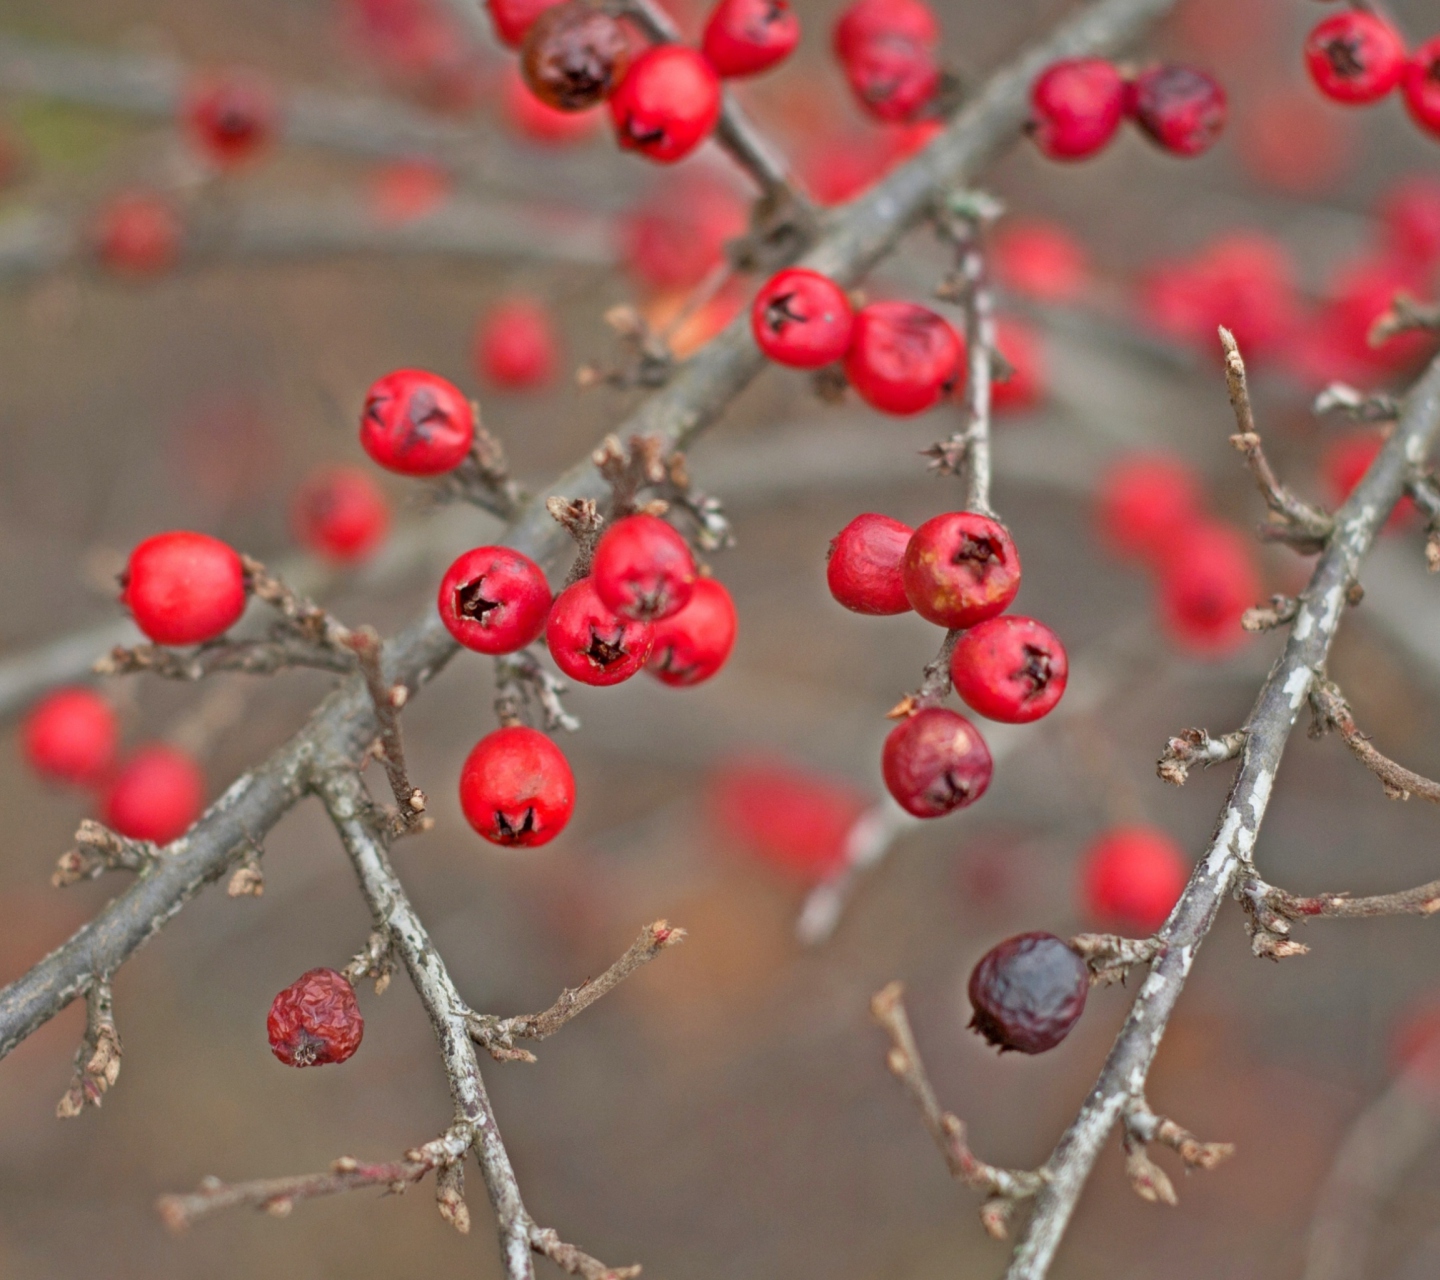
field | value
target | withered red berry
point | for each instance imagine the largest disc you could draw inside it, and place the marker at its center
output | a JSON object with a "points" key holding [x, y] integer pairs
{"points": [[183, 588], [746, 37], [960, 568], [516, 346], [574, 55], [155, 795], [893, 78], [512, 18], [1028, 992], [1010, 668], [1131, 877], [1181, 108], [802, 319], [516, 788], [590, 642], [231, 118], [316, 1020], [1421, 87], [70, 736], [416, 423], [1207, 582], [903, 358], [935, 762], [340, 513], [866, 20], [863, 566], [667, 104], [1075, 107], [643, 569], [1144, 501], [494, 600], [692, 645], [137, 234], [1355, 57]]}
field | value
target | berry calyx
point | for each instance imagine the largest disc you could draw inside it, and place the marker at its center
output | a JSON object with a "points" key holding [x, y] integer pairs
{"points": [[692, 645], [516, 346], [893, 78], [516, 788], [863, 565], [137, 234], [416, 423], [1010, 669], [1355, 57], [1028, 992], [867, 20], [590, 642], [1421, 86], [155, 795], [183, 588], [1181, 108], [903, 358], [341, 514], [1207, 582], [667, 104], [70, 736], [960, 568], [316, 1020], [746, 37], [1145, 501], [802, 319], [1131, 877], [513, 18], [643, 569], [1075, 107], [935, 762], [494, 600], [574, 55], [231, 119]]}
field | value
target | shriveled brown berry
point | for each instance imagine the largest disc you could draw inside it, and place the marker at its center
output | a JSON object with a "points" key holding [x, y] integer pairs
{"points": [[1028, 992], [574, 55], [315, 1020]]}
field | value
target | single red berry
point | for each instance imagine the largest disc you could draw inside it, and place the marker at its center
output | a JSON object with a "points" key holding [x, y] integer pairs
{"points": [[1410, 211], [903, 358], [340, 513], [867, 20], [1144, 501], [960, 568], [315, 1020], [692, 645], [516, 788], [678, 235], [516, 346], [1290, 141], [1041, 260], [407, 190], [574, 55], [1010, 669], [1181, 108], [513, 18], [183, 588], [231, 119], [70, 736], [1028, 992], [863, 565], [746, 37], [1344, 464], [667, 104], [1421, 86], [155, 795], [494, 600], [539, 122], [137, 234], [894, 79], [416, 423], [802, 319], [1355, 57], [643, 569], [935, 762], [592, 644], [1024, 386], [1075, 107], [1207, 582], [1131, 877]]}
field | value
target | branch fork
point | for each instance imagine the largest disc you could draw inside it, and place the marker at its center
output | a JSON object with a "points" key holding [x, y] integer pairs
{"points": [[98, 850], [1143, 1127], [520, 680], [1332, 712]]}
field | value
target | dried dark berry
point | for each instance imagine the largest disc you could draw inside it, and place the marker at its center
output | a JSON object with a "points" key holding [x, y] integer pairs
{"points": [[574, 55], [315, 1020], [1028, 992]]}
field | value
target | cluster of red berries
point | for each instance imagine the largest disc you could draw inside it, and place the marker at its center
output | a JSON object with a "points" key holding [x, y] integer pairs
{"points": [[1358, 58]]}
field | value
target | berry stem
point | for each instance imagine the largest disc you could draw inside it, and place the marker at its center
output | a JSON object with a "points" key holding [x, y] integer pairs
{"points": [[1332, 712]]}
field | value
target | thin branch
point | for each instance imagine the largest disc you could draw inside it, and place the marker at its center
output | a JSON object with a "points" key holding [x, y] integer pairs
{"points": [[97, 1064], [1376, 406], [250, 657], [1426, 495], [1150, 1182], [484, 478], [1110, 957], [1406, 314], [388, 699], [1333, 712], [935, 685], [1196, 746], [581, 519], [520, 678], [98, 850], [1277, 613], [1271, 911]]}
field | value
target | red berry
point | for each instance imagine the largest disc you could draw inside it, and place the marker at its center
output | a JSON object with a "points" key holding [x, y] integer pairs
{"points": [[1291, 141], [340, 513], [1355, 57], [516, 346], [1208, 580], [230, 119], [893, 78], [667, 104], [516, 788], [1144, 501], [494, 600], [1010, 668], [867, 20], [183, 588], [677, 237], [643, 569], [1411, 214], [155, 795], [935, 762], [960, 569], [592, 644], [802, 319], [539, 122], [70, 736], [903, 358], [1019, 346], [863, 565], [1075, 107], [692, 645], [1028, 992], [416, 423], [1181, 108], [1131, 877], [404, 191], [1421, 87], [512, 18], [137, 234], [1041, 260], [745, 37], [315, 1020], [574, 55]]}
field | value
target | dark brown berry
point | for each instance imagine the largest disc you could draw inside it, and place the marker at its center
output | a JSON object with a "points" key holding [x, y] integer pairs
{"points": [[1028, 992], [574, 55]]}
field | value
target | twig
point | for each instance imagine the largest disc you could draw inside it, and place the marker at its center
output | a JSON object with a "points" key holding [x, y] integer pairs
{"points": [[1110, 957], [519, 678], [1277, 613], [98, 850], [388, 699], [1196, 746], [935, 686], [1150, 1182], [97, 1064], [1405, 315], [581, 519], [1333, 712], [484, 478], [1426, 495], [250, 657], [1271, 911], [1377, 406]]}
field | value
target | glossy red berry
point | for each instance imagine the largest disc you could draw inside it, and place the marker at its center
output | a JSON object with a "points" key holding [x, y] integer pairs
{"points": [[893, 78], [591, 643], [1131, 877], [746, 37], [70, 736], [416, 423], [516, 788], [1181, 108], [1010, 669], [1421, 87], [230, 119], [155, 795], [494, 600], [539, 122], [643, 569], [667, 104], [513, 18], [1145, 500], [802, 319], [316, 1020], [1075, 107], [868, 20], [863, 565], [692, 645], [935, 762], [903, 358], [137, 234], [960, 568], [1028, 992], [184, 588], [1207, 582], [516, 346], [1041, 260], [1355, 57], [340, 513], [574, 55]]}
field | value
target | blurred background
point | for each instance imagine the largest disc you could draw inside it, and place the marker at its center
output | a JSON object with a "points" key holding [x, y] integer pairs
{"points": [[727, 1112]]}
